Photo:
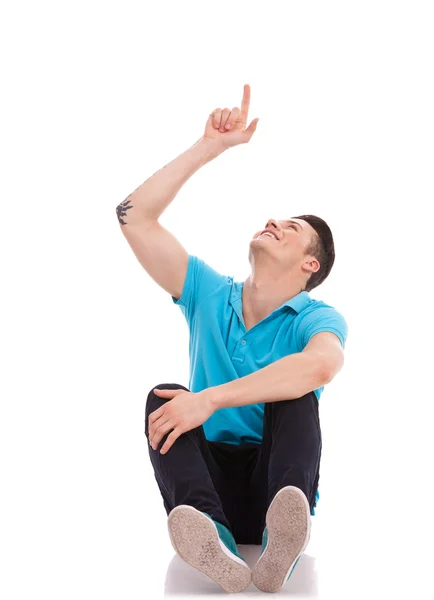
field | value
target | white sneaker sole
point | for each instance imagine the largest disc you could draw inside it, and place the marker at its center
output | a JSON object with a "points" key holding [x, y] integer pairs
{"points": [[288, 526], [195, 538]]}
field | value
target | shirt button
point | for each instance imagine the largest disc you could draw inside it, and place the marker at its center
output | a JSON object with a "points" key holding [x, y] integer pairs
{"points": [[244, 342]]}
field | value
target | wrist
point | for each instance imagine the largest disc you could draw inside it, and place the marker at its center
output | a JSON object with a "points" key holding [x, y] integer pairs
{"points": [[210, 148], [212, 397]]}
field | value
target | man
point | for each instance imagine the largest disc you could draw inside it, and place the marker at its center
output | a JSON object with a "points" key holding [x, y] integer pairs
{"points": [[236, 455]]}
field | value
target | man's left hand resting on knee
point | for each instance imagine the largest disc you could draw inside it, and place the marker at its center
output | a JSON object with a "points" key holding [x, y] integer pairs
{"points": [[184, 412]]}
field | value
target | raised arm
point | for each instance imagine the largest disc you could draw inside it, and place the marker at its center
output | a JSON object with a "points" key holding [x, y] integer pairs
{"points": [[157, 250]]}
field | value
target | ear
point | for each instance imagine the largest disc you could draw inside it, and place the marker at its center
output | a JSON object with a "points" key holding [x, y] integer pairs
{"points": [[311, 265]]}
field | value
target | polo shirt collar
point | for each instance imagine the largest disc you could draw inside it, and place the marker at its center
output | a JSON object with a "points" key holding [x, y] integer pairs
{"points": [[297, 303]]}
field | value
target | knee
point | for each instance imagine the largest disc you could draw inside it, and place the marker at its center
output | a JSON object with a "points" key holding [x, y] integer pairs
{"points": [[153, 402], [166, 386]]}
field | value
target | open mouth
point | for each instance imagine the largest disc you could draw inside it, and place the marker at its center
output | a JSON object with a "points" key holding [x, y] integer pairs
{"points": [[267, 235]]}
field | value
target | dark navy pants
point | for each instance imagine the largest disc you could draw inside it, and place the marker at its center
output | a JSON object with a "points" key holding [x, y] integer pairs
{"points": [[235, 484]]}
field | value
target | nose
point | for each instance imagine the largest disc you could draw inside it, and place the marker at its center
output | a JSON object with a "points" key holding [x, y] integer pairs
{"points": [[272, 223]]}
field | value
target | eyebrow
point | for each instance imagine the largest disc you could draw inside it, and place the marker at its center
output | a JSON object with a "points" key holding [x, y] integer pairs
{"points": [[295, 223]]}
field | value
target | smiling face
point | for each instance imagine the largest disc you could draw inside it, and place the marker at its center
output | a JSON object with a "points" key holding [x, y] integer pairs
{"points": [[288, 240], [294, 232]]}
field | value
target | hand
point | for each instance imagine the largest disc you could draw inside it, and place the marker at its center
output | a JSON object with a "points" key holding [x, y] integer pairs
{"points": [[184, 412], [228, 128]]}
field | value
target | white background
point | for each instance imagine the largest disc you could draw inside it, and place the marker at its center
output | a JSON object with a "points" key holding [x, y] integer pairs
{"points": [[96, 98]]}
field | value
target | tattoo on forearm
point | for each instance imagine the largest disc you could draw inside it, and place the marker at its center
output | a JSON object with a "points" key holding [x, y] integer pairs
{"points": [[122, 208]]}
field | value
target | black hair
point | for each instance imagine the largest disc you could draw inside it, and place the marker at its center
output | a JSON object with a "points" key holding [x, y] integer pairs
{"points": [[322, 247]]}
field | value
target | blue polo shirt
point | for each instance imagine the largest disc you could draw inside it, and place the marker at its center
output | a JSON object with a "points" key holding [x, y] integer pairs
{"points": [[221, 349]]}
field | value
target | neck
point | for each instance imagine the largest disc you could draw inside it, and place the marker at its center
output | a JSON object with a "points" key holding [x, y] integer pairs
{"points": [[263, 292]]}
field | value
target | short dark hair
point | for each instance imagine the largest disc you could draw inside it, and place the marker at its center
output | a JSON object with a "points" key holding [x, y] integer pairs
{"points": [[321, 247]]}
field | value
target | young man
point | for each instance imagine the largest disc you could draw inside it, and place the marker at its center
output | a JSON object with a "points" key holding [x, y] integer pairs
{"points": [[237, 454]]}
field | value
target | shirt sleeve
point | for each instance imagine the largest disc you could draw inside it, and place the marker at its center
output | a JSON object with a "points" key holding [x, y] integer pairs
{"points": [[201, 280], [322, 319]]}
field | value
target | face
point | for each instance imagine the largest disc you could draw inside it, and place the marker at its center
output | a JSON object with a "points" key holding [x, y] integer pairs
{"points": [[290, 238]]}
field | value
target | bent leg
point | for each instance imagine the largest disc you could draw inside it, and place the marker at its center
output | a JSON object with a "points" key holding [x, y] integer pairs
{"points": [[183, 473], [290, 452]]}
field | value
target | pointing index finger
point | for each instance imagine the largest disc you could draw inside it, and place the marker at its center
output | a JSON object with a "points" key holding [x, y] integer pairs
{"points": [[245, 102]]}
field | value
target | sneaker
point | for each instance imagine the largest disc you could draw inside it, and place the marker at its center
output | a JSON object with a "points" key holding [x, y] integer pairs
{"points": [[284, 538], [209, 546]]}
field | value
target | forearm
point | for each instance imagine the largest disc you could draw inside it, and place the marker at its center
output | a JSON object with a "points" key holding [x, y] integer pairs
{"points": [[290, 377], [153, 196]]}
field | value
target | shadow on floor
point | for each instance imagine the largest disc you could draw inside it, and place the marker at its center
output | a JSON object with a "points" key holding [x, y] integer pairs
{"points": [[183, 579]]}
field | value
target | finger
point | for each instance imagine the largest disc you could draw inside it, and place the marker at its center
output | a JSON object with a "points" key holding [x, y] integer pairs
{"points": [[217, 117], [155, 426], [160, 433], [170, 440], [225, 114], [235, 113], [166, 392], [245, 103], [251, 128], [155, 421], [155, 415]]}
